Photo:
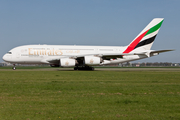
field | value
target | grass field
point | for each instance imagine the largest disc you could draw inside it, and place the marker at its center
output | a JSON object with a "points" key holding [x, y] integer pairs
{"points": [[54, 94]]}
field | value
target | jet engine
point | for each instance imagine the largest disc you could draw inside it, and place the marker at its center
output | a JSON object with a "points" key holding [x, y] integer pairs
{"points": [[92, 60], [66, 62]]}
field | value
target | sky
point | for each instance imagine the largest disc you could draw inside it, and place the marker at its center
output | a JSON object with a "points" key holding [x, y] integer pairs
{"points": [[89, 22]]}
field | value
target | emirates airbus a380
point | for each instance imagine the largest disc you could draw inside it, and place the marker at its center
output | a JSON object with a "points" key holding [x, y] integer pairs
{"points": [[84, 57]]}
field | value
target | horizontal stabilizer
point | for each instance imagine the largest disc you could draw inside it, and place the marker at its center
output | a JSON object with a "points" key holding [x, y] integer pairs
{"points": [[160, 51]]}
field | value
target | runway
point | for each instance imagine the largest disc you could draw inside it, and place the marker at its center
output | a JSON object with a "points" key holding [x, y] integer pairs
{"points": [[96, 69]]}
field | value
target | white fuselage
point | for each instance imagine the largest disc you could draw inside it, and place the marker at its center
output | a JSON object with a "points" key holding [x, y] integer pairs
{"points": [[40, 54]]}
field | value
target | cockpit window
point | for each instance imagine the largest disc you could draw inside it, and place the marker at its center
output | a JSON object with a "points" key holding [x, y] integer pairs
{"points": [[9, 52]]}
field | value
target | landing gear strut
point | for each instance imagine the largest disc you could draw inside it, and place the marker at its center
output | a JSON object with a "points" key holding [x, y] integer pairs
{"points": [[84, 68], [14, 67]]}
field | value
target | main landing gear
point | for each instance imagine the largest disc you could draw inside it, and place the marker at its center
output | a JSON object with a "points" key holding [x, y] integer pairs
{"points": [[14, 67], [84, 68]]}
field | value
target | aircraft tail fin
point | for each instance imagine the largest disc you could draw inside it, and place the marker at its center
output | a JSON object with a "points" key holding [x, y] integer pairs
{"points": [[146, 37]]}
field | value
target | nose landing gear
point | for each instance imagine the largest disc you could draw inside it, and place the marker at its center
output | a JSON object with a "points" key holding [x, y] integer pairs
{"points": [[14, 67]]}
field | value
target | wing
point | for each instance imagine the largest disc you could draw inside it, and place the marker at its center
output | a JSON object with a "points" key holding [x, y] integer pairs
{"points": [[105, 56], [160, 51]]}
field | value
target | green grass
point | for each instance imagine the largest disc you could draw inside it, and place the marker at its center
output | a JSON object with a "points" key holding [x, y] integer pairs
{"points": [[25, 67], [107, 95]]}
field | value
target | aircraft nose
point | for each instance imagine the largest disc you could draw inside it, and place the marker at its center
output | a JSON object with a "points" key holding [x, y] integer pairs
{"points": [[4, 58]]}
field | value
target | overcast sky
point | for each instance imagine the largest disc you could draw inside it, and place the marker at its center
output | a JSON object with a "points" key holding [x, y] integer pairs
{"points": [[89, 22]]}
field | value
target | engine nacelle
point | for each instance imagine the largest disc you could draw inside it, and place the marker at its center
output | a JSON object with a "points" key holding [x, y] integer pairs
{"points": [[92, 60], [66, 62]]}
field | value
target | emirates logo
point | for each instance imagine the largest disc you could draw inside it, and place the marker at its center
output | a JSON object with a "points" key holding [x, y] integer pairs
{"points": [[91, 61], [67, 63]]}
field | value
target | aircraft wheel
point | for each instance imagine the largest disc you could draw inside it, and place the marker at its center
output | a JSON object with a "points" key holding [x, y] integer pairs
{"points": [[75, 68], [89, 68], [14, 67], [84, 68]]}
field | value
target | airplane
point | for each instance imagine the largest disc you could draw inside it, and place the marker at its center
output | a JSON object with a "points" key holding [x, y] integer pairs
{"points": [[84, 57]]}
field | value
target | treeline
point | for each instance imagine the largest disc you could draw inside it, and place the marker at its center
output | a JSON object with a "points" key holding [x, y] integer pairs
{"points": [[153, 64]]}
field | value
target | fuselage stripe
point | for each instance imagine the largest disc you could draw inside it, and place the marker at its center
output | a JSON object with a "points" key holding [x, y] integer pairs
{"points": [[145, 42], [135, 42], [153, 29]]}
